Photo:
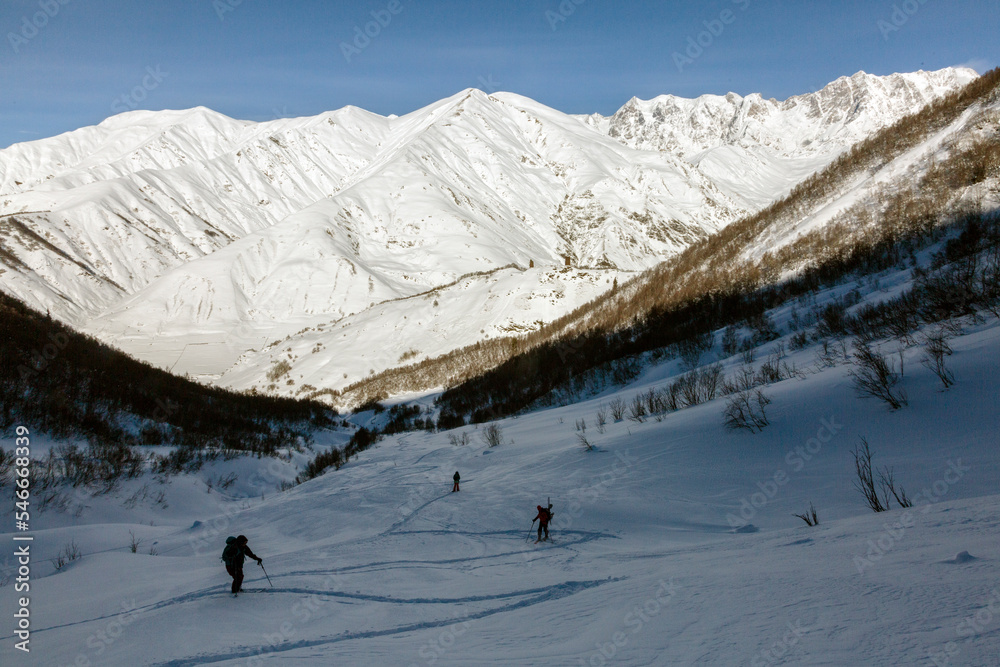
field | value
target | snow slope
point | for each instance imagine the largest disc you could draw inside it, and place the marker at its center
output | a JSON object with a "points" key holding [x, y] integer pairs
{"points": [[193, 240], [379, 564]]}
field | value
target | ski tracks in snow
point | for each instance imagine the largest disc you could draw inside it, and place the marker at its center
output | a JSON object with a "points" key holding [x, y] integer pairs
{"points": [[530, 597]]}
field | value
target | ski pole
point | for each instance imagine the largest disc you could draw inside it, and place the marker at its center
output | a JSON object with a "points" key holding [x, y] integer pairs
{"points": [[265, 573], [529, 530]]}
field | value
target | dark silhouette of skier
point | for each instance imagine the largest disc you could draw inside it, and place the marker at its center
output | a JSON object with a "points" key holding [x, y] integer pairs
{"points": [[456, 478], [233, 556], [542, 518]]}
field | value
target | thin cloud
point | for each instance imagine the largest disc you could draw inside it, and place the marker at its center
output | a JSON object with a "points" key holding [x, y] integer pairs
{"points": [[981, 65]]}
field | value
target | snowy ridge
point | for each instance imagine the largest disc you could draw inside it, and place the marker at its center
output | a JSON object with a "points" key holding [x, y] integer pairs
{"points": [[193, 240], [779, 141]]}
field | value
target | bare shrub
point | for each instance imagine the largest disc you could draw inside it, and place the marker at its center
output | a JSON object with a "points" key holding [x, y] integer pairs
{"points": [[746, 409], [833, 320], [887, 483], [602, 418], [876, 376], [493, 435], [710, 381], [935, 352], [617, 407], [809, 517], [584, 442], [637, 409], [865, 482], [687, 389], [798, 340], [459, 440], [134, 542], [69, 553], [770, 370]]}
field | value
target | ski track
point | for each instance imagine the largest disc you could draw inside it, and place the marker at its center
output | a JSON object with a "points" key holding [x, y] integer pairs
{"points": [[548, 594], [194, 596]]}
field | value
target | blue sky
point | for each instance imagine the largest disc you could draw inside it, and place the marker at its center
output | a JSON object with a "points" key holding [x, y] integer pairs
{"points": [[65, 64]]}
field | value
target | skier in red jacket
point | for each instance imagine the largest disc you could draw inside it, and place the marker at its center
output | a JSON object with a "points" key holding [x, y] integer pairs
{"points": [[543, 522]]}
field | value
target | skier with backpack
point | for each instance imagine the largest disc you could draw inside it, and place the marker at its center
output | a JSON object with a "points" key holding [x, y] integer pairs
{"points": [[233, 556], [456, 478], [543, 517]]}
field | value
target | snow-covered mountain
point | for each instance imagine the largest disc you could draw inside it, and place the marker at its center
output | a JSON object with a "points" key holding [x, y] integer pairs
{"points": [[316, 250], [751, 146]]}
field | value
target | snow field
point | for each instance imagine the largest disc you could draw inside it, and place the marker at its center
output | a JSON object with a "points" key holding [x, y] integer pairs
{"points": [[673, 543]]}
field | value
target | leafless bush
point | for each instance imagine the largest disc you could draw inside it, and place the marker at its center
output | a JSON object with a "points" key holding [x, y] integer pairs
{"points": [[745, 409], [743, 379], [770, 370], [865, 482], [617, 407], [709, 381], [799, 340], [584, 442], [227, 481], [687, 389], [888, 485], [69, 553], [937, 349], [876, 376], [493, 435], [637, 409], [459, 440], [602, 418], [826, 356], [134, 542], [581, 425], [809, 517]]}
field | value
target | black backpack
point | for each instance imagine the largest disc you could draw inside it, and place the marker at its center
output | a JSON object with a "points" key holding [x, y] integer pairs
{"points": [[231, 553]]}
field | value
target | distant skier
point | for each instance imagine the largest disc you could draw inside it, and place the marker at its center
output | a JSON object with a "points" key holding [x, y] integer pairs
{"points": [[542, 518], [233, 556], [456, 478]]}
